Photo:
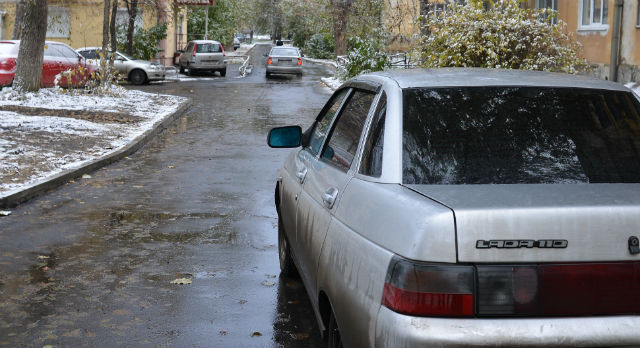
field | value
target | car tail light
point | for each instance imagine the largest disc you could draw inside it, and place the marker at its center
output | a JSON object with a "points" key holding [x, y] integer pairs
{"points": [[7, 64], [429, 289], [195, 46], [299, 61], [559, 289], [539, 290], [269, 61], [223, 53]]}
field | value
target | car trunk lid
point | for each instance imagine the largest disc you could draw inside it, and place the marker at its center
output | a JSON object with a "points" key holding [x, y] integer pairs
{"points": [[541, 223]]}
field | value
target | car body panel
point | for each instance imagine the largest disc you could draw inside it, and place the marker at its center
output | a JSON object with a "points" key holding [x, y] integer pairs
{"points": [[58, 58], [595, 219], [397, 330], [203, 61]]}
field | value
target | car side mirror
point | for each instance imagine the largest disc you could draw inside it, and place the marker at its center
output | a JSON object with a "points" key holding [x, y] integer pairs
{"points": [[285, 137]]}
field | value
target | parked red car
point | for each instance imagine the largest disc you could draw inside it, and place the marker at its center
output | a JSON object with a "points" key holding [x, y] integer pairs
{"points": [[58, 58]]}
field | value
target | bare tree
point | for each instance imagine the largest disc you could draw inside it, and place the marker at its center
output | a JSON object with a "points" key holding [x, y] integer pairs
{"points": [[112, 30], [105, 25], [34, 31], [340, 21], [132, 9], [17, 25]]}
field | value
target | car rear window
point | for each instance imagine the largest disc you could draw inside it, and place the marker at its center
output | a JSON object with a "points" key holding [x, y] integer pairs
{"points": [[208, 48], [520, 135], [286, 52], [8, 49]]}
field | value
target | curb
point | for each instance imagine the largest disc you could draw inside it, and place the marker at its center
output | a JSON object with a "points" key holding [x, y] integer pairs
{"points": [[59, 179]]}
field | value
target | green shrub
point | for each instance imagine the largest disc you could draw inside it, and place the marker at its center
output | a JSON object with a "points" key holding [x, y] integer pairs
{"points": [[320, 46], [365, 55], [145, 41], [505, 36]]}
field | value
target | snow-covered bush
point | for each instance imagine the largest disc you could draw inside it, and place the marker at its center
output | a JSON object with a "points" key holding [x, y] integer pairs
{"points": [[363, 56], [505, 36], [320, 46]]}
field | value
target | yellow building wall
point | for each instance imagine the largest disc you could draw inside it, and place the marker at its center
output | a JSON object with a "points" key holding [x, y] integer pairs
{"points": [[86, 19]]}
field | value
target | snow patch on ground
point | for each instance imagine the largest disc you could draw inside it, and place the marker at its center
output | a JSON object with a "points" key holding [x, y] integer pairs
{"points": [[331, 82], [33, 148]]}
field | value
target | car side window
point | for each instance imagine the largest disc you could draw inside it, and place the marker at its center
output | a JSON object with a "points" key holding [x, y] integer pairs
{"points": [[344, 138], [323, 122], [371, 163], [68, 52]]}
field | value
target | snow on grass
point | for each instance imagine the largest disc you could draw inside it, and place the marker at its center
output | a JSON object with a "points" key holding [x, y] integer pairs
{"points": [[33, 148]]}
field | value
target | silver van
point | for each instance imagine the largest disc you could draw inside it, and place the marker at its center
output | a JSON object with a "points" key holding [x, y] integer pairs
{"points": [[203, 55]]}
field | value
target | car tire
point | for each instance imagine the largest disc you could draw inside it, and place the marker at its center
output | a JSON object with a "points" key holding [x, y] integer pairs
{"points": [[189, 72], [223, 72], [268, 74], [181, 69], [137, 77], [333, 333], [287, 267]]}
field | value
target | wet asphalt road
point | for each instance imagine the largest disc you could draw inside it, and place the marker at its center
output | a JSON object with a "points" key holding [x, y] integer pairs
{"points": [[91, 263]]}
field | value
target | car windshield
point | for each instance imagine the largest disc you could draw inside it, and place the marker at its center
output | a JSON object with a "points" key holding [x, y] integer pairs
{"points": [[8, 49], [284, 52], [128, 57], [520, 135], [208, 48]]}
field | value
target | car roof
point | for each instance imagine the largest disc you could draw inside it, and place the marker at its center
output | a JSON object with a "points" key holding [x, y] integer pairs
{"points": [[205, 41], [482, 77]]}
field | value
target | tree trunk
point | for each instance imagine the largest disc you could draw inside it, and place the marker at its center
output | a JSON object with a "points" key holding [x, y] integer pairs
{"points": [[17, 25], [112, 33], [105, 26], [132, 9], [34, 30], [340, 20]]}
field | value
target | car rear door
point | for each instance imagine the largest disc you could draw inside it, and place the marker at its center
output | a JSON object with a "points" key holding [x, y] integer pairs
{"points": [[327, 176]]}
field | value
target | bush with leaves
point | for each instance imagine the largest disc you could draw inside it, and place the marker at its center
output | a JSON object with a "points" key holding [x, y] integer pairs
{"points": [[505, 36], [363, 56], [320, 46], [145, 41]]}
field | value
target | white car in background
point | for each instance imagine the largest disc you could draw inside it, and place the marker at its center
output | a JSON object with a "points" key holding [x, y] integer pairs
{"points": [[136, 71]]}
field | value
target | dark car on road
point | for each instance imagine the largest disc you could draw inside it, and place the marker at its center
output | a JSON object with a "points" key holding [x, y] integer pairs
{"points": [[467, 208]]}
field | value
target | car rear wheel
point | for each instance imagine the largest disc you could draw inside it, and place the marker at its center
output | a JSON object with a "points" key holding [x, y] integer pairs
{"points": [[138, 77], [181, 69], [333, 333], [189, 72], [223, 72], [268, 74], [287, 267]]}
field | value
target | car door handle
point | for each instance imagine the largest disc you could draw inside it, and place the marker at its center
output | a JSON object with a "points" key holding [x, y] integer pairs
{"points": [[301, 174], [329, 197]]}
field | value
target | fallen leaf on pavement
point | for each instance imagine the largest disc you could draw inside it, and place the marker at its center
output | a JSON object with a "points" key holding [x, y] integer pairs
{"points": [[256, 334], [181, 281], [86, 176], [171, 167], [268, 283], [299, 336]]}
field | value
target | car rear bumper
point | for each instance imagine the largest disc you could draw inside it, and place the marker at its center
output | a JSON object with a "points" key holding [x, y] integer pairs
{"points": [[195, 66], [272, 69], [397, 330]]}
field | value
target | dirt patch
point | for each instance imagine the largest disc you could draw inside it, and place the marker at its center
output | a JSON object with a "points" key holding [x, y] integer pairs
{"points": [[87, 115]]}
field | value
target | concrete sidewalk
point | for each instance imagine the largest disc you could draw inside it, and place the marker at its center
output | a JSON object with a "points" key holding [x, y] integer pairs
{"points": [[25, 133]]}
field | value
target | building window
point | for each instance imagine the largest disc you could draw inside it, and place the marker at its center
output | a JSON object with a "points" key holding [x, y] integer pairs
{"points": [[122, 19], [550, 4], [638, 14], [594, 14], [58, 22]]}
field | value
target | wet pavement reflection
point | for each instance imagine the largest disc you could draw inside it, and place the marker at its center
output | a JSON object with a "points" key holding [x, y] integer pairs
{"points": [[175, 245]]}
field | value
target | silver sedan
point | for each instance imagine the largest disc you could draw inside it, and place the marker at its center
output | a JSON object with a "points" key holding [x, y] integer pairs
{"points": [[467, 208], [136, 71], [284, 60]]}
